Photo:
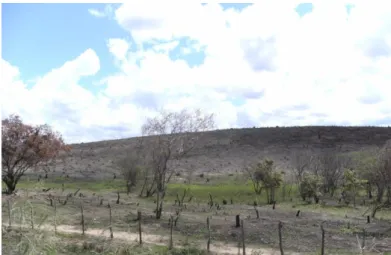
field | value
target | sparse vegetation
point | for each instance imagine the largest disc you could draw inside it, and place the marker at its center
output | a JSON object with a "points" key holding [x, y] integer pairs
{"points": [[320, 192]]}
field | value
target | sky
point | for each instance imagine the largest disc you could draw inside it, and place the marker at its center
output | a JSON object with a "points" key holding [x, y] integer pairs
{"points": [[98, 71]]}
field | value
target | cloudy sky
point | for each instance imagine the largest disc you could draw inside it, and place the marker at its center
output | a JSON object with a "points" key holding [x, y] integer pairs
{"points": [[96, 71]]}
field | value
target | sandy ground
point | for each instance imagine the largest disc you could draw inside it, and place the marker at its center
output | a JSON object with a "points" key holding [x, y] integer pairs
{"points": [[216, 247]]}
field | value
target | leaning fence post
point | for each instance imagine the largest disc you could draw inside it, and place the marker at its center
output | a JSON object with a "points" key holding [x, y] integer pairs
{"points": [[280, 237], [139, 227], [209, 235]]}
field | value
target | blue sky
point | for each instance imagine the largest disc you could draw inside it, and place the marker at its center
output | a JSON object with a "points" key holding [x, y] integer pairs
{"points": [[52, 34], [96, 71]]}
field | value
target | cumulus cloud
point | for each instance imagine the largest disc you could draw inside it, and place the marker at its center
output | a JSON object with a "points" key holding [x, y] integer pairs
{"points": [[263, 65]]}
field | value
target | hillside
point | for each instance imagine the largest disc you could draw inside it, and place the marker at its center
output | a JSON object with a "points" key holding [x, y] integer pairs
{"points": [[223, 151]]}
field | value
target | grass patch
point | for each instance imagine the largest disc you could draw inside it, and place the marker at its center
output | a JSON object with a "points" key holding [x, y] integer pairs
{"points": [[43, 242], [242, 193]]}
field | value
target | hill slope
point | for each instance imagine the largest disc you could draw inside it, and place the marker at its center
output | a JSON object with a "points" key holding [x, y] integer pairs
{"points": [[227, 150]]}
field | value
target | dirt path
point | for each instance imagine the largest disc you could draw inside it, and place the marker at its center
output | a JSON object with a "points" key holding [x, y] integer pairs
{"points": [[216, 247]]}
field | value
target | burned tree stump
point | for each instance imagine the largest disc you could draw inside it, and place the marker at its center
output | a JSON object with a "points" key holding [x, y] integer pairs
{"points": [[237, 221]]}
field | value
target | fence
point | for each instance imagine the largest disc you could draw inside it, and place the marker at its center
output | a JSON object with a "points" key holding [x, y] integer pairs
{"points": [[27, 218]]}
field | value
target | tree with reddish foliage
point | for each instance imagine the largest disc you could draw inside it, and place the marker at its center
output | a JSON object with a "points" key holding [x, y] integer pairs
{"points": [[26, 147]]}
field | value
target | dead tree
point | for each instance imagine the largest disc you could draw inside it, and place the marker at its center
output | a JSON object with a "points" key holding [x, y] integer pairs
{"points": [[172, 136], [331, 166], [301, 161], [131, 165]]}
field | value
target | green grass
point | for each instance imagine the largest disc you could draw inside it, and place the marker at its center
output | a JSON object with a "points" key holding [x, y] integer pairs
{"points": [[239, 192]]}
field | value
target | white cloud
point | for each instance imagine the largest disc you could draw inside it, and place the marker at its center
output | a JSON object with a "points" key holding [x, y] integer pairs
{"points": [[118, 48], [106, 12], [264, 65], [96, 13]]}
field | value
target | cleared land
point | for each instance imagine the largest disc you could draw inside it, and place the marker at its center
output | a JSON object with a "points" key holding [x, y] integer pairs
{"points": [[219, 157]]}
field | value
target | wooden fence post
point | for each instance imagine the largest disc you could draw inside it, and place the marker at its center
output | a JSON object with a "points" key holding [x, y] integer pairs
{"points": [[82, 218], [243, 239], [139, 227], [110, 222], [363, 238], [323, 235], [32, 216], [209, 235], [9, 213], [55, 219], [171, 227], [280, 237]]}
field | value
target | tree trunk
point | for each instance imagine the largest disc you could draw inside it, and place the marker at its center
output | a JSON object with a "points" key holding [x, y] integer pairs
{"points": [[11, 184], [157, 205], [128, 188], [142, 189], [267, 196], [369, 190], [380, 192], [332, 191]]}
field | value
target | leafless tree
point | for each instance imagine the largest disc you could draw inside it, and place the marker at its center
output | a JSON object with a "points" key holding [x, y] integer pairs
{"points": [[301, 162], [172, 136], [383, 173], [330, 167], [132, 165], [130, 169]]}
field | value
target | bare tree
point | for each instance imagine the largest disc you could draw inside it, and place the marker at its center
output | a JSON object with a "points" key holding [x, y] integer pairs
{"points": [[383, 173], [130, 169], [373, 166], [330, 167], [173, 135], [301, 162], [132, 165]]}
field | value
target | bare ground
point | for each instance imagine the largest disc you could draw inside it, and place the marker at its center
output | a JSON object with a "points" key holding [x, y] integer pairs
{"points": [[300, 234], [226, 151]]}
